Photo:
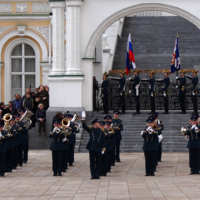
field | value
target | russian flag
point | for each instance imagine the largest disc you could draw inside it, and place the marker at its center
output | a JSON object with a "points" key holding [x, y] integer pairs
{"points": [[130, 56], [176, 62]]}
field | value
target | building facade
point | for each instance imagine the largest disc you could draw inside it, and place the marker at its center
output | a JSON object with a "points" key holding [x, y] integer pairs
{"points": [[53, 43]]}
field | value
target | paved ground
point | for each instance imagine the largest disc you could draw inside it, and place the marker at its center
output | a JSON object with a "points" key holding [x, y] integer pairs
{"points": [[126, 181]]}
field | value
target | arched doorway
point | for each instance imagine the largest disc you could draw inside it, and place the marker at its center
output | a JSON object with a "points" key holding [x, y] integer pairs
{"points": [[131, 10]]}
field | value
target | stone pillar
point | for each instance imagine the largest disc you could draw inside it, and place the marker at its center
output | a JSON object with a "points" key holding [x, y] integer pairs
{"points": [[45, 72], [73, 37], [58, 67]]}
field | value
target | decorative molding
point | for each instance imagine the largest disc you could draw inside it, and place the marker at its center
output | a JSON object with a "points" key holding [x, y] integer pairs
{"points": [[73, 38], [21, 30], [41, 8], [73, 2], [4, 29], [105, 43], [5, 8], [25, 17], [22, 7], [44, 31], [58, 38], [134, 9]]}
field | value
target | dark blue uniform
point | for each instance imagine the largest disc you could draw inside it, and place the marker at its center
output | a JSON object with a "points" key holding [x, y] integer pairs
{"points": [[194, 91], [194, 149], [16, 141], [165, 91], [150, 147], [105, 157], [65, 149], [122, 90], [137, 91], [57, 151], [181, 93], [118, 127], [104, 94], [152, 93], [160, 125], [95, 146], [72, 141], [3, 149]]}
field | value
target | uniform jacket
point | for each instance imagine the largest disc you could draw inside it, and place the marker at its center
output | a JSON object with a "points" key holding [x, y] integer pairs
{"points": [[117, 123], [122, 87], [57, 142], [195, 81], [97, 138], [3, 145], [136, 82], [104, 88], [66, 143], [72, 136], [181, 86], [194, 138], [151, 85], [150, 140], [108, 139], [166, 83]]}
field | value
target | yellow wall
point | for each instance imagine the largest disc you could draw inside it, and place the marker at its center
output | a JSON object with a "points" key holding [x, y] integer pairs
{"points": [[3, 60], [29, 4]]}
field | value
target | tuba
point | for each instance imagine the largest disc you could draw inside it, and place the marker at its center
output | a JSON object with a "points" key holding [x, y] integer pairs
{"points": [[7, 117], [26, 118], [75, 119]]}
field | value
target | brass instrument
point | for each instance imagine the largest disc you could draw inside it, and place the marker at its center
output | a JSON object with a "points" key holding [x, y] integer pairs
{"points": [[7, 118], [65, 123], [26, 118], [183, 130], [75, 119]]}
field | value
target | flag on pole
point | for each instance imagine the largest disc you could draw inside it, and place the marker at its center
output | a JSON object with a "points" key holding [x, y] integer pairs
{"points": [[176, 62], [130, 56]]}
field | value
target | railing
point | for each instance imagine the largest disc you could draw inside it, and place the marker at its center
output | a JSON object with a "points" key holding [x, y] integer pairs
{"points": [[114, 98]]}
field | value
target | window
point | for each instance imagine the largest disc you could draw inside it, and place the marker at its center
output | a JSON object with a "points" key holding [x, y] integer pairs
{"points": [[23, 69]]}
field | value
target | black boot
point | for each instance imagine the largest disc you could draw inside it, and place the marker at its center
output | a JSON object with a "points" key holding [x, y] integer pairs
{"points": [[138, 109], [123, 109], [106, 109]]}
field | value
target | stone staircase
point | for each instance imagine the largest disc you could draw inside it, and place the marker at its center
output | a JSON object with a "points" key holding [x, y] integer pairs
{"points": [[132, 141], [153, 40]]}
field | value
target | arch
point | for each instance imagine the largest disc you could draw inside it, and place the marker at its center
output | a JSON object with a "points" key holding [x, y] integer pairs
{"points": [[29, 33], [7, 64], [131, 10]]}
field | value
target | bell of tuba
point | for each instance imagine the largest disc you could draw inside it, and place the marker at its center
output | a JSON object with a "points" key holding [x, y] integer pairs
{"points": [[65, 123], [26, 118], [75, 118], [7, 117]]}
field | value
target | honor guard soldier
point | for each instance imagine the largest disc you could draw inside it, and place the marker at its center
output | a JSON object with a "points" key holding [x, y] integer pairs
{"points": [[160, 126], [104, 92], [192, 134], [181, 93], [136, 89], [122, 89], [3, 149], [152, 90], [150, 146], [194, 88], [96, 146], [118, 127], [165, 90], [57, 148]]}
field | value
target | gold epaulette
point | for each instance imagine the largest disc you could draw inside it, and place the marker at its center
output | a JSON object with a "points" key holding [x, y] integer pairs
{"points": [[103, 129], [90, 127], [104, 149]]}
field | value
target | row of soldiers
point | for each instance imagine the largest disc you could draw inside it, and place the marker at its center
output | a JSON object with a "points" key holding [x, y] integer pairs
{"points": [[63, 137], [151, 85], [152, 135], [14, 139], [104, 143]]}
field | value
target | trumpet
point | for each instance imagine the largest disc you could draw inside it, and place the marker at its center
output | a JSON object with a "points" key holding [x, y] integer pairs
{"points": [[65, 123], [7, 118], [183, 130], [57, 130]]}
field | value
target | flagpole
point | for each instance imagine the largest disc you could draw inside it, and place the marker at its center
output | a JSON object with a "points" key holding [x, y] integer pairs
{"points": [[177, 70], [130, 69]]}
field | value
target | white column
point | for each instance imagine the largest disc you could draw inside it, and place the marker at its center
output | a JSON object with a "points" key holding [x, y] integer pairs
{"points": [[58, 38], [1, 65], [45, 72], [73, 37]]}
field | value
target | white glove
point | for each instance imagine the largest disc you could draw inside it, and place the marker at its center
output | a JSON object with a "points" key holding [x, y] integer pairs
{"points": [[183, 129], [152, 94], [186, 138], [64, 139], [193, 126], [8, 134], [160, 138], [176, 77], [148, 128], [176, 86], [0, 135], [102, 152], [142, 132], [164, 94], [129, 91], [83, 114], [129, 78], [193, 93], [120, 93]]}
